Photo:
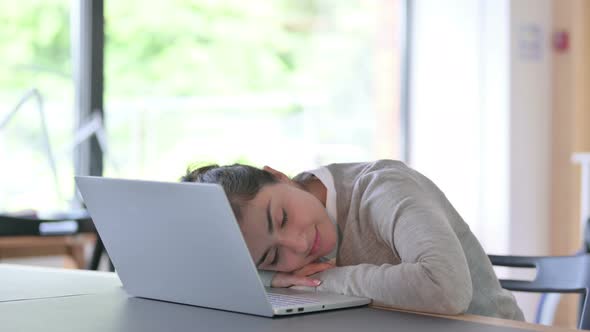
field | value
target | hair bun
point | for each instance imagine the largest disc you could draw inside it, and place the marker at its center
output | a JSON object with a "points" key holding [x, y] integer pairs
{"points": [[196, 175]]}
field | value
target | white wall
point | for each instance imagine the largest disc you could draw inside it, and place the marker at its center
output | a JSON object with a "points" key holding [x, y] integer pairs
{"points": [[530, 114], [480, 110]]}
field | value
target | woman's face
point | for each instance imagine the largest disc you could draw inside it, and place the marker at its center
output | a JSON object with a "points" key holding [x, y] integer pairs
{"points": [[286, 227]]}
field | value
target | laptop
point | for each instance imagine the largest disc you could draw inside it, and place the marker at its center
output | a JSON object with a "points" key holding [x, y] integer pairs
{"points": [[180, 242]]}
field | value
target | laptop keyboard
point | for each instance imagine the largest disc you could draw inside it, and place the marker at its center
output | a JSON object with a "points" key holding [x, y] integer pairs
{"points": [[282, 300]]}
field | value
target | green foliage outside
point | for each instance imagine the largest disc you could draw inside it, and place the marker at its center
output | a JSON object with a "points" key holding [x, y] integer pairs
{"points": [[175, 49], [35, 46], [171, 48], [202, 47]]}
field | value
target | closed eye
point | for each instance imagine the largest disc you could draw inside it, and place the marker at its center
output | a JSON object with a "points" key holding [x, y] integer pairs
{"points": [[285, 218], [276, 256]]}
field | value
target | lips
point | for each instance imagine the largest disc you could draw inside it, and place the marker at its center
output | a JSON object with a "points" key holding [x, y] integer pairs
{"points": [[316, 243]]}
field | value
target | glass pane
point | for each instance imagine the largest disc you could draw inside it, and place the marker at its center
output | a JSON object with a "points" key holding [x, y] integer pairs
{"points": [[292, 84], [35, 54]]}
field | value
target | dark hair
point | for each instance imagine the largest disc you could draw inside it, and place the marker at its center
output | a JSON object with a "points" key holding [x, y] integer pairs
{"points": [[240, 182]]}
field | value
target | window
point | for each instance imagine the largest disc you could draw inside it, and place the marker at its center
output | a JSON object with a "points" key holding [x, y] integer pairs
{"points": [[35, 48], [291, 84]]}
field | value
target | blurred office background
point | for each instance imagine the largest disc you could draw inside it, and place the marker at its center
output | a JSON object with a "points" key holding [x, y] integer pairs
{"points": [[486, 97]]}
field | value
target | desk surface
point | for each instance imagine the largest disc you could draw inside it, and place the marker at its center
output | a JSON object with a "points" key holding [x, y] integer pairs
{"points": [[63, 300], [25, 283]]}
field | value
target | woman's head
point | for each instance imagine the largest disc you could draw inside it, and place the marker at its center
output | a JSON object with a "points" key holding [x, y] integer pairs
{"points": [[241, 183], [284, 222]]}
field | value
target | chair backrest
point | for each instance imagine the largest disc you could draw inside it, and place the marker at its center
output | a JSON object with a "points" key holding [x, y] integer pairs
{"points": [[555, 274]]}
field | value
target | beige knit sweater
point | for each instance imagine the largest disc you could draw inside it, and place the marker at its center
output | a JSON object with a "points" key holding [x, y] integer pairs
{"points": [[404, 245]]}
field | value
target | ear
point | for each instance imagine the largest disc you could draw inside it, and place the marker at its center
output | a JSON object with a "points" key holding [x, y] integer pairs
{"points": [[279, 175]]}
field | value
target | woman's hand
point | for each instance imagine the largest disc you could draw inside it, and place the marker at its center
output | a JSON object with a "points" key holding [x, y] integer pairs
{"points": [[300, 277]]}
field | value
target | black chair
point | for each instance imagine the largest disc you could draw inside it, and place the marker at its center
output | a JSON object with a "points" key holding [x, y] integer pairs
{"points": [[555, 274]]}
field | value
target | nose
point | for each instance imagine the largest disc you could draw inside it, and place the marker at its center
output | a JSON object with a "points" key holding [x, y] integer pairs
{"points": [[295, 242]]}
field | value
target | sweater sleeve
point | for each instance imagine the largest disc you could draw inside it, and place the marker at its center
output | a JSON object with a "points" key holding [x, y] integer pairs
{"points": [[433, 275]]}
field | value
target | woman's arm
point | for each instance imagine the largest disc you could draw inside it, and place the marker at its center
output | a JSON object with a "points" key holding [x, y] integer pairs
{"points": [[433, 275], [296, 278]]}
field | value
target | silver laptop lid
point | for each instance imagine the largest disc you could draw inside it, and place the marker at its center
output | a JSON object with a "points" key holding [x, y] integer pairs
{"points": [[176, 242]]}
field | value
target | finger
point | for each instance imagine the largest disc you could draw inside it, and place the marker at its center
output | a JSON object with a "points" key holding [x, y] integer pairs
{"points": [[305, 281], [288, 280]]}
